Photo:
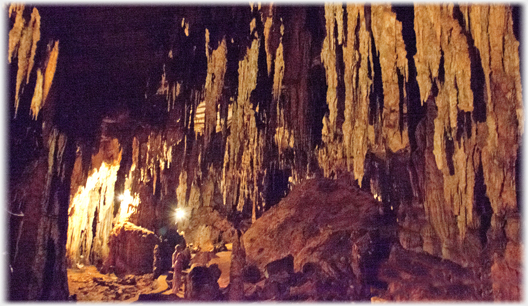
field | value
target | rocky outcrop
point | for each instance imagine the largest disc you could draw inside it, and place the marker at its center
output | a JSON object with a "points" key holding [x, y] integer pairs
{"points": [[322, 221], [131, 250], [207, 228], [202, 284], [413, 277]]}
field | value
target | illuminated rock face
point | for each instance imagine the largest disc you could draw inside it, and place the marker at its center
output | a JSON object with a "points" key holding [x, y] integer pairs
{"points": [[226, 109]]}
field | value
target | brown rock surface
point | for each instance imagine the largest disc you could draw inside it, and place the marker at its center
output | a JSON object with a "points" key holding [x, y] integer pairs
{"points": [[322, 221], [415, 276], [206, 228], [131, 249]]}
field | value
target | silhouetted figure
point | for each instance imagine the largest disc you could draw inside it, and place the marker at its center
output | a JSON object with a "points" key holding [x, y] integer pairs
{"points": [[238, 262], [157, 266], [177, 266]]}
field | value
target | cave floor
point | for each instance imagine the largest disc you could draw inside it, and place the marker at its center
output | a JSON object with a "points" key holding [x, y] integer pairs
{"points": [[89, 285]]}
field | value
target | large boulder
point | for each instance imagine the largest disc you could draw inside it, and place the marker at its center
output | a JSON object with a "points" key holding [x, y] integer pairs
{"points": [[323, 221], [207, 228], [131, 250], [202, 284]]}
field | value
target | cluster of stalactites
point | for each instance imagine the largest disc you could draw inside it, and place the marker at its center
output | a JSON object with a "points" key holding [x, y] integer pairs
{"points": [[358, 136], [170, 91], [439, 35], [23, 39], [93, 202], [156, 155], [443, 60], [243, 155], [491, 27]]}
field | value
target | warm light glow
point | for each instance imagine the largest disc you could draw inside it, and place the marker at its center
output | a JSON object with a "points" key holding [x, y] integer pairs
{"points": [[126, 198], [180, 214], [87, 201], [128, 205]]}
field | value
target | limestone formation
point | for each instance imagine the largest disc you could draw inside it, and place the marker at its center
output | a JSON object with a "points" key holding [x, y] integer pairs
{"points": [[213, 120]]}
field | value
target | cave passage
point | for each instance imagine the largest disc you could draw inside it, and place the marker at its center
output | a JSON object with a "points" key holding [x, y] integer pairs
{"points": [[264, 152]]}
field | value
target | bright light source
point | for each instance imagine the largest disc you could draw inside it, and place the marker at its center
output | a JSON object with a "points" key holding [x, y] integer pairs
{"points": [[128, 205], [180, 214], [126, 198]]}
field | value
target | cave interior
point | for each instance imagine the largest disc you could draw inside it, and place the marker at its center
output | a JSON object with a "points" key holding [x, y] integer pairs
{"points": [[322, 152]]}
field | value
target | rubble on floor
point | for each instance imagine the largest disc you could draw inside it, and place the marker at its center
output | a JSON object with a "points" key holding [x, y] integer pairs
{"points": [[88, 285]]}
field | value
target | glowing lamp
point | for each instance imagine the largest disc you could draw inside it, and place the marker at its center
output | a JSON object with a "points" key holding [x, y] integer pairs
{"points": [[180, 214]]}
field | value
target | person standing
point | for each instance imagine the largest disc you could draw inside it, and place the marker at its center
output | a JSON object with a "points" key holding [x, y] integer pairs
{"points": [[177, 266]]}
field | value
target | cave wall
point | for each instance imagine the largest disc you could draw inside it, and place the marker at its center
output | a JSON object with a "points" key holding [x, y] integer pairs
{"points": [[230, 107]]}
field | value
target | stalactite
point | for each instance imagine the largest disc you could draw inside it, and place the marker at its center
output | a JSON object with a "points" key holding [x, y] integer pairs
{"points": [[492, 28], [427, 26], [93, 202], [279, 67], [242, 167], [330, 157], [268, 17], [163, 89], [36, 101], [24, 37], [185, 26], [387, 32], [23, 53], [51, 66], [16, 32], [440, 40], [34, 23], [43, 82], [328, 57], [450, 46], [214, 83], [181, 189], [281, 139], [356, 55]]}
